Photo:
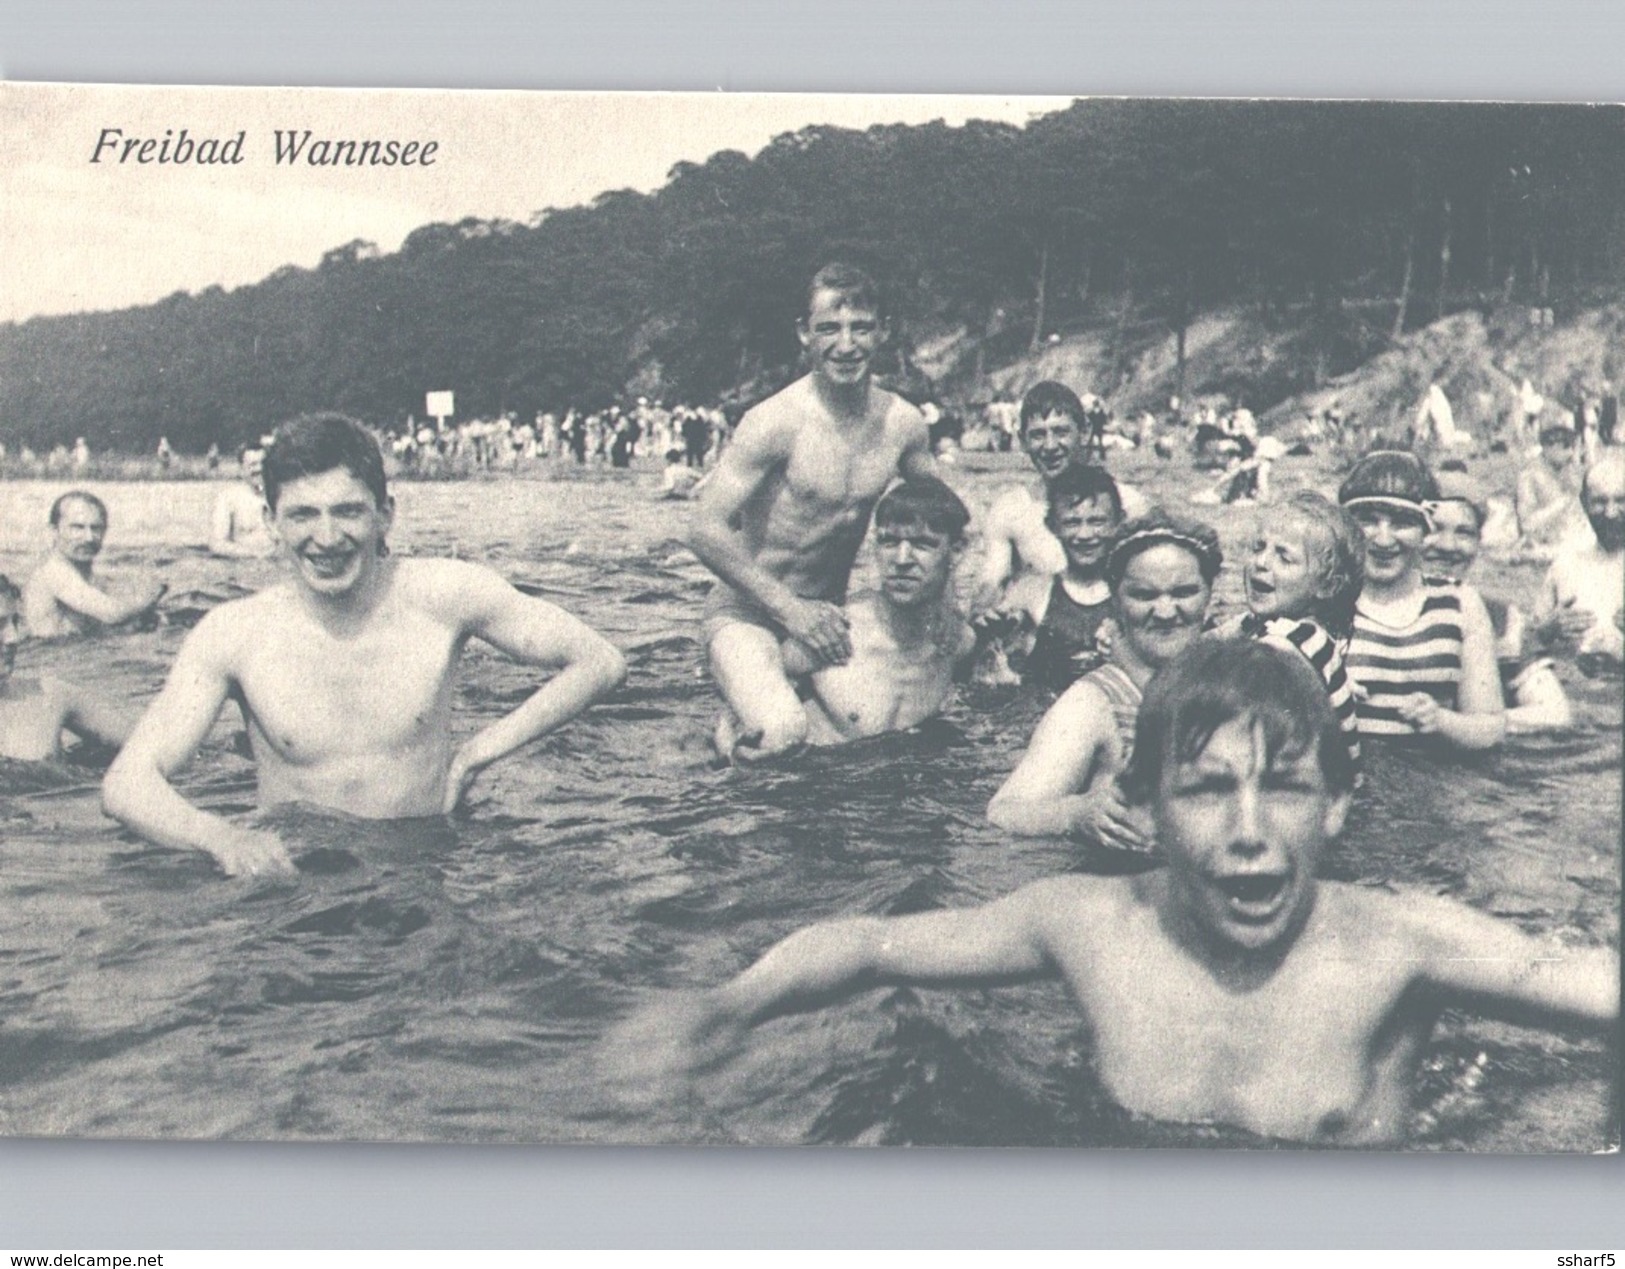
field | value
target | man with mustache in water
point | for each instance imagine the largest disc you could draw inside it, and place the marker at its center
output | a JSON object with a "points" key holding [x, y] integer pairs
{"points": [[63, 596], [781, 519], [1231, 986], [344, 673]]}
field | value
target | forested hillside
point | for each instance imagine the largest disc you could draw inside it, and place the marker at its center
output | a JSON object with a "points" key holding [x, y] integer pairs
{"points": [[1349, 223]]}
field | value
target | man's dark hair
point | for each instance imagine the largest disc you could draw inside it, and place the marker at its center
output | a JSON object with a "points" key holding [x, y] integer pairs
{"points": [[1217, 681], [1078, 483], [77, 495], [315, 443], [854, 285], [1050, 397], [925, 501], [9, 590]]}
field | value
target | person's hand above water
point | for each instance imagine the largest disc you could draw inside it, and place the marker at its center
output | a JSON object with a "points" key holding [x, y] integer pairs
{"points": [[822, 627], [251, 852], [1566, 625], [460, 777], [1103, 816], [1421, 711], [666, 1043]]}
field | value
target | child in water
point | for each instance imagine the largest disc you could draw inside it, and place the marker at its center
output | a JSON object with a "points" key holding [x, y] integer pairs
{"points": [[34, 712], [1302, 578], [1229, 987]]}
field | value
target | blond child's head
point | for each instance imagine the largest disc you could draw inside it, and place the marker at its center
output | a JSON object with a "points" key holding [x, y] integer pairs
{"points": [[1306, 561]]}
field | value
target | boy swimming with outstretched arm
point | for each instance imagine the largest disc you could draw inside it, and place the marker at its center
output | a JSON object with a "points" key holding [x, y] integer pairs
{"points": [[1230, 986]]}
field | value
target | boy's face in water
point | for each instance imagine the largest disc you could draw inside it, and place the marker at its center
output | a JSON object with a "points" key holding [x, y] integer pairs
{"points": [[1050, 441], [1085, 528], [1244, 833], [915, 562]]}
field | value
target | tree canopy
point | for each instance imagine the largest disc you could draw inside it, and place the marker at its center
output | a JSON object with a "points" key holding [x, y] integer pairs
{"points": [[1149, 210]]}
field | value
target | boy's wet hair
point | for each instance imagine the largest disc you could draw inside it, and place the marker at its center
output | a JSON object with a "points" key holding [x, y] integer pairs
{"points": [[1218, 681], [1158, 528], [1048, 398], [315, 443], [77, 495], [924, 501], [1078, 483], [854, 285], [10, 590], [1339, 553]]}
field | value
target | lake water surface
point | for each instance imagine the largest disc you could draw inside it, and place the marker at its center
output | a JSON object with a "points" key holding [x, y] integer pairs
{"points": [[449, 980]]}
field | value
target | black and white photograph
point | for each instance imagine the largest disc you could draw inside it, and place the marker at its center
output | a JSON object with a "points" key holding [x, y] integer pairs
{"points": [[810, 620]]}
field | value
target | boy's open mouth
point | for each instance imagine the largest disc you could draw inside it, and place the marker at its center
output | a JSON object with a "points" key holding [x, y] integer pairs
{"points": [[1253, 895]]}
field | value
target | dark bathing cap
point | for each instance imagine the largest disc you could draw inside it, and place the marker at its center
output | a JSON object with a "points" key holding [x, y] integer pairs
{"points": [[1393, 479]]}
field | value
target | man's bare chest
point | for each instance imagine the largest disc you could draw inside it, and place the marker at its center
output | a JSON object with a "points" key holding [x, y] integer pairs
{"points": [[316, 697]]}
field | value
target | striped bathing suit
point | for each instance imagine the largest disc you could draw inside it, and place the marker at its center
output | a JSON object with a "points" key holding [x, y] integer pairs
{"points": [[1124, 698], [1311, 640], [1393, 661]]}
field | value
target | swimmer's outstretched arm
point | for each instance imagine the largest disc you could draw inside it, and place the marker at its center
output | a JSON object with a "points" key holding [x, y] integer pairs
{"points": [[532, 632], [1045, 795], [1001, 942], [137, 790], [1487, 964]]}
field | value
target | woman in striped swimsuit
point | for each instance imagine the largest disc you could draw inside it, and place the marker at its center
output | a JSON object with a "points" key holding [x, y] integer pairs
{"points": [[1423, 650], [1161, 572]]}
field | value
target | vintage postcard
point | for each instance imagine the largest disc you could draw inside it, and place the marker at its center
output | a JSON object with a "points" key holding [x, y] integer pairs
{"points": [[842, 620]]}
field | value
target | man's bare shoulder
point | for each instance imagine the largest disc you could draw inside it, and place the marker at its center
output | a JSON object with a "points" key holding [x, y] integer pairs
{"points": [[229, 631], [903, 418], [236, 616], [48, 574], [1012, 503], [1076, 906], [1399, 927], [452, 591], [789, 407]]}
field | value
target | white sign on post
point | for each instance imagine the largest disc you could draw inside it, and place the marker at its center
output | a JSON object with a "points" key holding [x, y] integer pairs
{"points": [[439, 405]]}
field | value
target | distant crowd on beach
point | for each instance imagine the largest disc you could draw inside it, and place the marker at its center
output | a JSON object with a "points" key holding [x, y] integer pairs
{"points": [[1201, 761]]}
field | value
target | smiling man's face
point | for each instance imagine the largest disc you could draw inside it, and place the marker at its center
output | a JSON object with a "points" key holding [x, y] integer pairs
{"points": [[332, 529]]}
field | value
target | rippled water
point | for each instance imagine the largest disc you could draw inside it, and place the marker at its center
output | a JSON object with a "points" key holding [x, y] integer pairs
{"points": [[448, 981]]}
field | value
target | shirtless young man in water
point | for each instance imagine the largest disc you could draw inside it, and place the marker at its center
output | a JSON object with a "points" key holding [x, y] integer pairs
{"points": [[344, 674], [909, 640], [781, 519], [1229, 987]]}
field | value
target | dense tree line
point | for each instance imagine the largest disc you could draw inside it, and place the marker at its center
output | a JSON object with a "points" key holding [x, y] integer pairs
{"points": [[1131, 215]]}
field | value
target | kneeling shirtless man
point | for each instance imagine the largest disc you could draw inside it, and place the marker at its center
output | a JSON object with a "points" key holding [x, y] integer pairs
{"points": [[1230, 986], [344, 674], [782, 517]]}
